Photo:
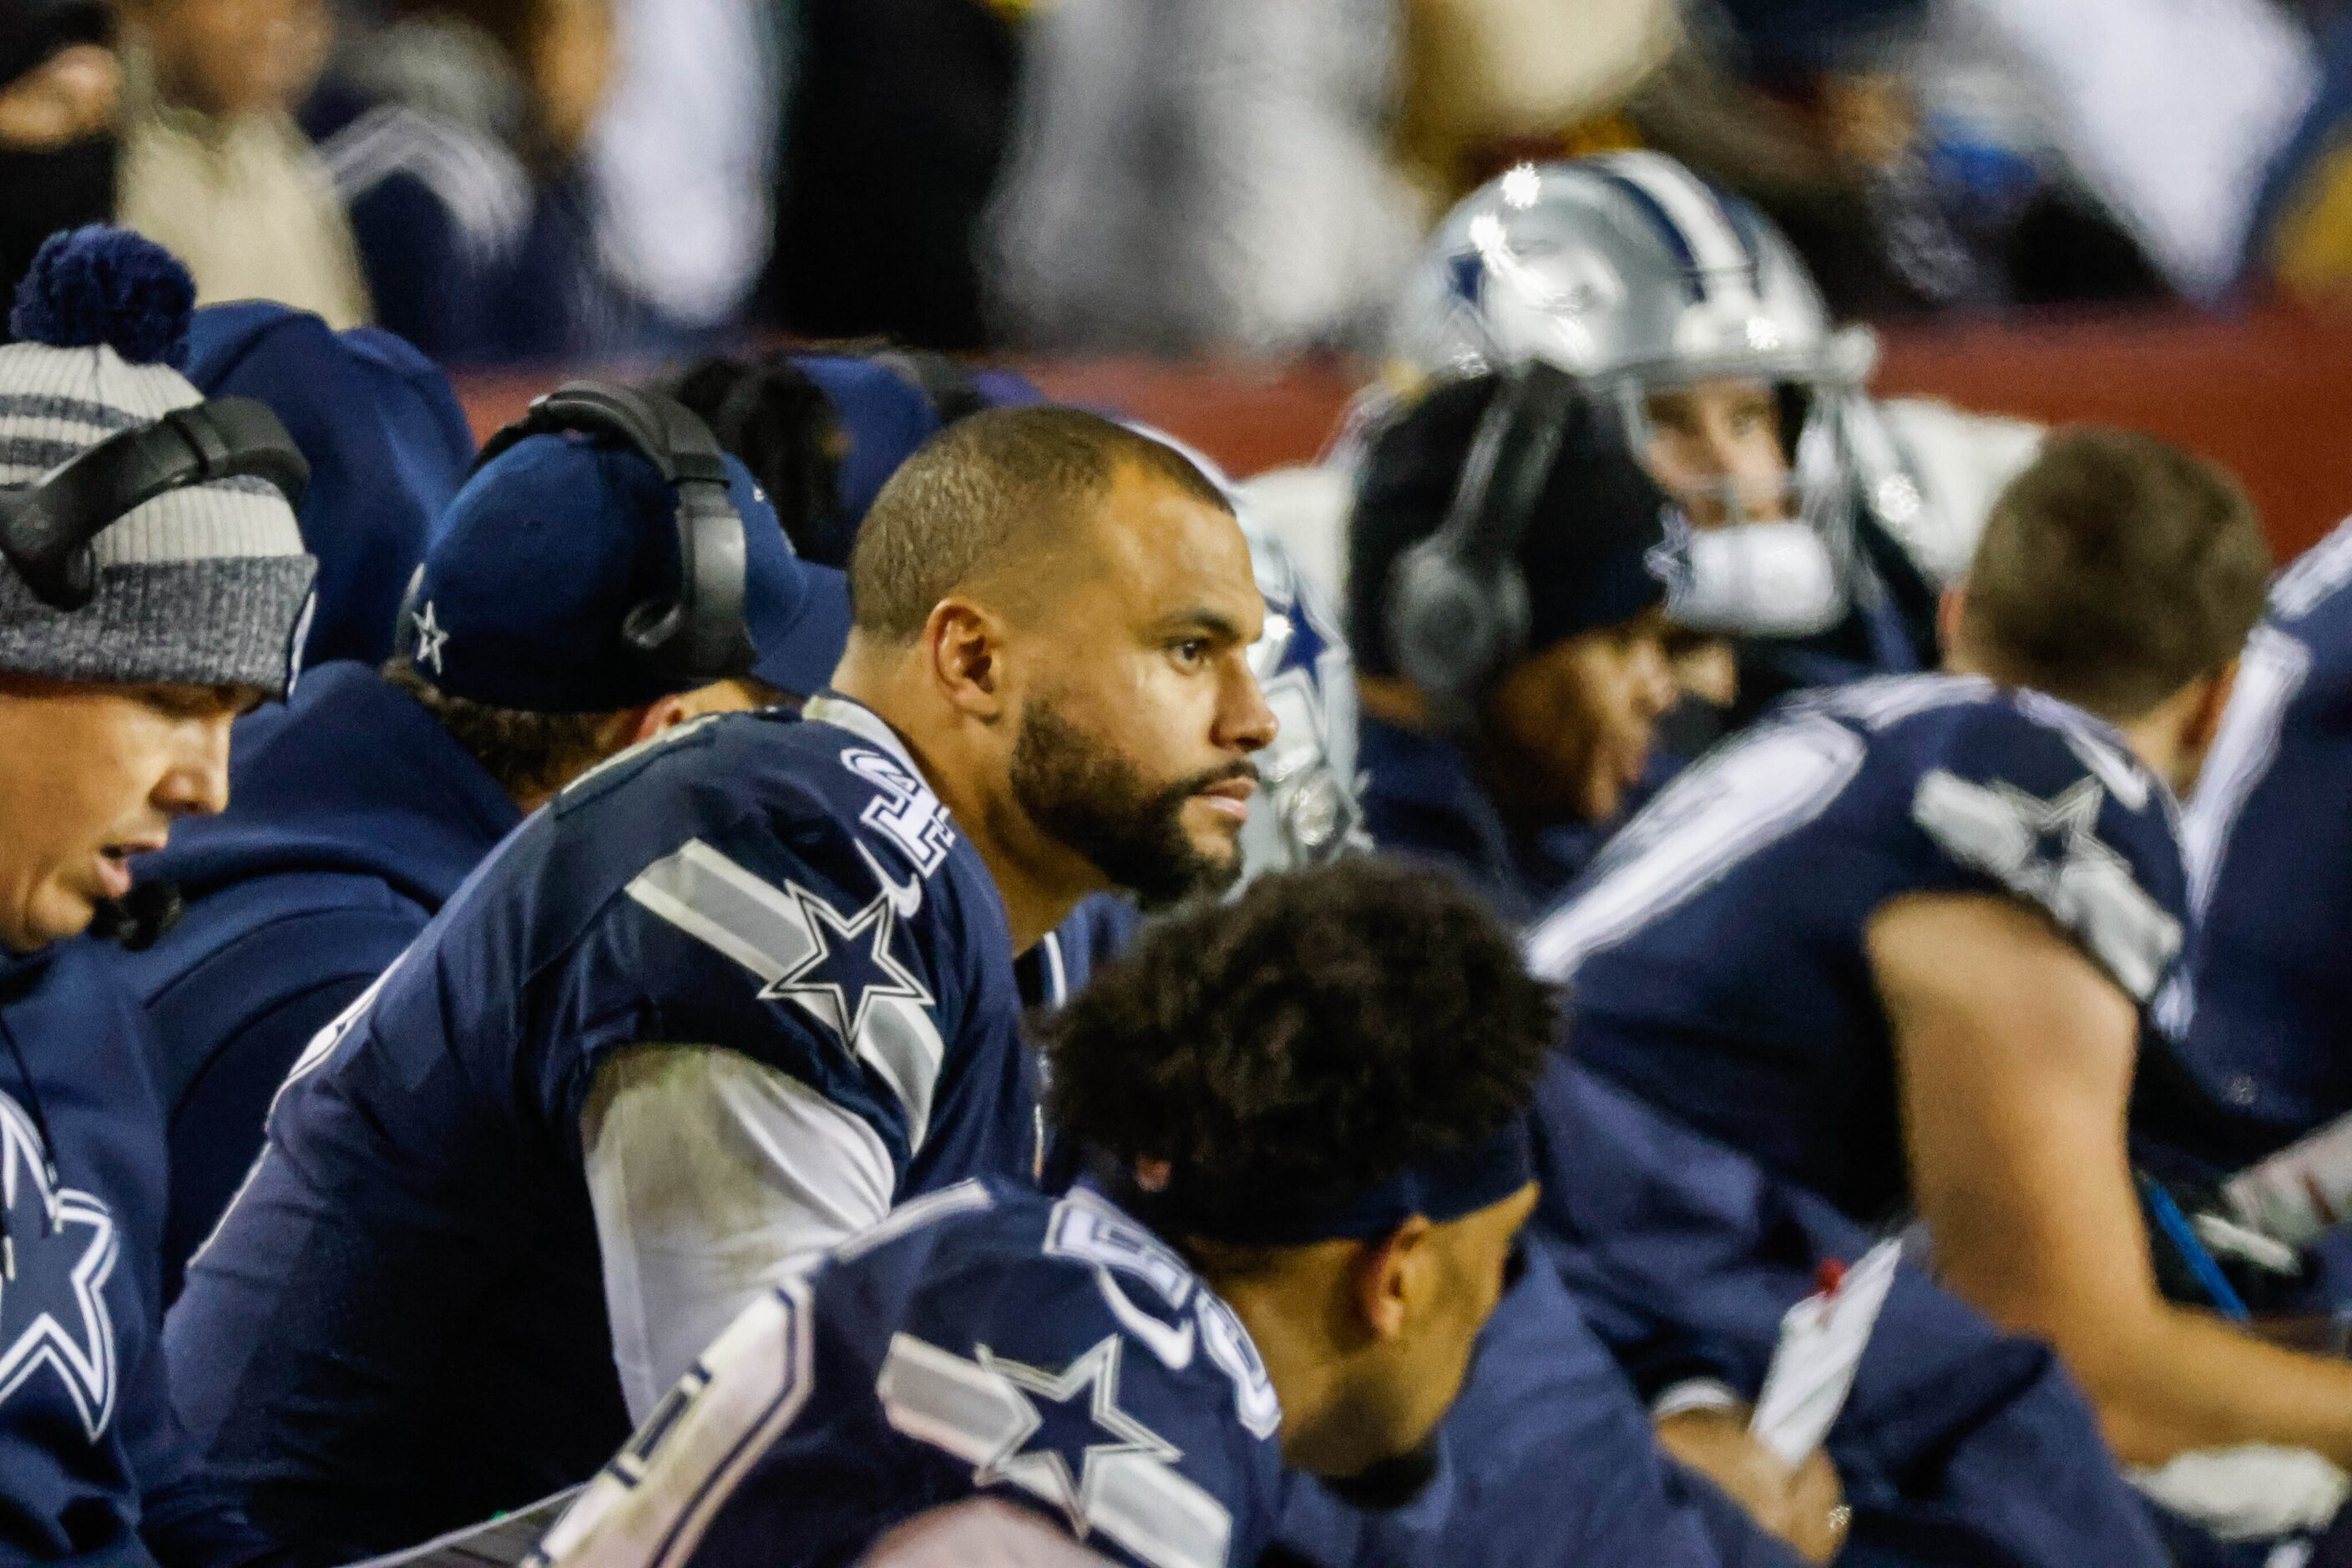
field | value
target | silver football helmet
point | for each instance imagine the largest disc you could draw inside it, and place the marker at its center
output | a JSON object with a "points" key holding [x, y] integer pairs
{"points": [[1307, 811], [1636, 275]]}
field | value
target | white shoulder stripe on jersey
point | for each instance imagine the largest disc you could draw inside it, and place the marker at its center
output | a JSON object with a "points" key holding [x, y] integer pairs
{"points": [[650, 1506], [977, 1411], [1695, 210], [765, 929], [1745, 797], [967, 1196], [2270, 675], [2320, 572], [1887, 700], [937, 1397], [722, 905]]}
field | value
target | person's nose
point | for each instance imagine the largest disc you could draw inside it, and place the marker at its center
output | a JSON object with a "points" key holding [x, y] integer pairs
{"points": [[196, 783], [1243, 721]]}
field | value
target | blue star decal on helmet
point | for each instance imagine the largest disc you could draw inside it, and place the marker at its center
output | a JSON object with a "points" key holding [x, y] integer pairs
{"points": [[57, 1248], [849, 966], [1466, 271]]}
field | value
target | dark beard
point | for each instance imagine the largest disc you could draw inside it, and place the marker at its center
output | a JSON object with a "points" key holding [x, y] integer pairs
{"points": [[1091, 799]]}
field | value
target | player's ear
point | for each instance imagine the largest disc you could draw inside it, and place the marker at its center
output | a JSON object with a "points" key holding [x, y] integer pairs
{"points": [[1394, 1277], [963, 645]]}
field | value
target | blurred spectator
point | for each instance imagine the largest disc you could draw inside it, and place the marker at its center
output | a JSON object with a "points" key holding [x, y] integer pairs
{"points": [[2303, 233], [1909, 153], [1486, 76], [2175, 133], [456, 137], [59, 91], [213, 166], [682, 161], [1200, 172], [897, 127]]}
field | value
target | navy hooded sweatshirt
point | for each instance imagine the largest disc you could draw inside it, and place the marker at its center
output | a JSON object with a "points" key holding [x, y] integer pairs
{"points": [[93, 1468], [353, 816]]}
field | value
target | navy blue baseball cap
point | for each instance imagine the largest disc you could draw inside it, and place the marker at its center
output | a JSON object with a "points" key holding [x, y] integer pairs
{"points": [[529, 575]]}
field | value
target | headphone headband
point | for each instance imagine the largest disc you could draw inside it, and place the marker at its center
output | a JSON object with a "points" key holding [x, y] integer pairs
{"points": [[1457, 605], [47, 528], [698, 634]]}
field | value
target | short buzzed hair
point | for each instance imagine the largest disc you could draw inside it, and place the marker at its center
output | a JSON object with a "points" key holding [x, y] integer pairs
{"points": [[2113, 570], [984, 486]]}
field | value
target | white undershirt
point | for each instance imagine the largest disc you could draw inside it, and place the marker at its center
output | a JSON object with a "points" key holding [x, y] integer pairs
{"points": [[712, 1176]]}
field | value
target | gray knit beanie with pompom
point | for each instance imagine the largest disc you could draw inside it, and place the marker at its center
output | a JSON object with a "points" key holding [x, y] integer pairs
{"points": [[205, 586]]}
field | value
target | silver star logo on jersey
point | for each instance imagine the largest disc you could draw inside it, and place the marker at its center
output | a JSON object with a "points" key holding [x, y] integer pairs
{"points": [[1038, 1460], [2050, 851], [57, 1248], [850, 965]]}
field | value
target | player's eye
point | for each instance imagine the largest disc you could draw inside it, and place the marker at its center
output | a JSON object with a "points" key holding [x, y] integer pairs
{"points": [[1191, 651]]}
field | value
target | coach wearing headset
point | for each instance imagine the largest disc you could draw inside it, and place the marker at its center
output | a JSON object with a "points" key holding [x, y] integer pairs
{"points": [[1510, 567], [153, 583], [546, 630]]}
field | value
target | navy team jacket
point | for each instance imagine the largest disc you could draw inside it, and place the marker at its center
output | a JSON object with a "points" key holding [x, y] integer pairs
{"points": [[400, 1326], [1715, 949], [1054, 1353], [353, 816], [93, 1469]]}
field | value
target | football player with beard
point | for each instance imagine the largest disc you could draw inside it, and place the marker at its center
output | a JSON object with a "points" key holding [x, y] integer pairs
{"points": [[727, 1000]]}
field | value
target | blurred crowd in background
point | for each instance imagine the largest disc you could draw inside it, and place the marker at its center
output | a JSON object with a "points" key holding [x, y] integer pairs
{"points": [[529, 181]]}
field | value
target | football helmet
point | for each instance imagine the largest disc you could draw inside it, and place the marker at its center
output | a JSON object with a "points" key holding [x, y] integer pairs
{"points": [[1637, 276]]}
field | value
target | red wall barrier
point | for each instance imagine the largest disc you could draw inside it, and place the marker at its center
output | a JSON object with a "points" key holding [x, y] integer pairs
{"points": [[2268, 394]]}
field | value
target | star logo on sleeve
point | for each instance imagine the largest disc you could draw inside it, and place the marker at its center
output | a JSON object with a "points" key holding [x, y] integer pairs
{"points": [[2050, 851], [2061, 829], [849, 966], [57, 1248], [1074, 1423]]}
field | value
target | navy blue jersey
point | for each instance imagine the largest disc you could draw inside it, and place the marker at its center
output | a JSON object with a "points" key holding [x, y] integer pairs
{"points": [[353, 817], [1716, 948], [400, 1325], [985, 1338], [2269, 855], [92, 1466]]}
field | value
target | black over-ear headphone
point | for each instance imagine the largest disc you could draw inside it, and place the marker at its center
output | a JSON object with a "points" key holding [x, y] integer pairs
{"points": [[47, 527], [698, 634], [1457, 606]]}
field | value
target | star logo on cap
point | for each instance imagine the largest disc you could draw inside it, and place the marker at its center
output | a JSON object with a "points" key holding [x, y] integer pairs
{"points": [[430, 637]]}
